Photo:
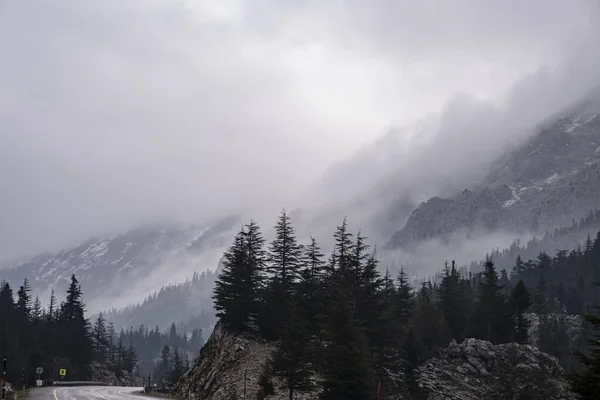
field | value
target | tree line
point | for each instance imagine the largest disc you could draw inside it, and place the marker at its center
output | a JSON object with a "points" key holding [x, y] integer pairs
{"points": [[150, 344], [55, 337], [360, 330], [188, 304]]}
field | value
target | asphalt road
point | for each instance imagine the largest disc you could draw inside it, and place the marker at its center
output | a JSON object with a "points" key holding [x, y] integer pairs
{"points": [[86, 393]]}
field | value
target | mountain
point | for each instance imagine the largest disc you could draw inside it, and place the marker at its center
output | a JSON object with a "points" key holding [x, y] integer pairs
{"points": [[116, 271], [546, 182]]}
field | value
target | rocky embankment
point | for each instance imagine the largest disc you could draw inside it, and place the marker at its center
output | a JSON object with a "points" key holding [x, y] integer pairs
{"points": [[230, 365], [475, 370], [101, 374]]}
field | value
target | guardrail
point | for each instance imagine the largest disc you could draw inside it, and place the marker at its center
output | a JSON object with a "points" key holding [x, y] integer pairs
{"points": [[79, 383]]}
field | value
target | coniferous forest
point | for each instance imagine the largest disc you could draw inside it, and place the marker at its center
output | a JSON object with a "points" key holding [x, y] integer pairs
{"points": [[53, 337], [59, 336], [341, 319]]}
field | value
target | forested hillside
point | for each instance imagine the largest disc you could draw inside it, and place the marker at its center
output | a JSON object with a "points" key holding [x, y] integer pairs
{"points": [[187, 304], [361, 332], [561, 238]]}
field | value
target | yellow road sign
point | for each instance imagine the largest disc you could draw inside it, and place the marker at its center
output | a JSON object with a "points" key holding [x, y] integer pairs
{"points": [[63, 372]]}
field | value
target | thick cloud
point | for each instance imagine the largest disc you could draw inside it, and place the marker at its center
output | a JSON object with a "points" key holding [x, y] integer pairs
{"points": [[123, 111]]}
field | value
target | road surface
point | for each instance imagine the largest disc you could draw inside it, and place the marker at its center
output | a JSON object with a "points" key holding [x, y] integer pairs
{"points": [[86, 393]]}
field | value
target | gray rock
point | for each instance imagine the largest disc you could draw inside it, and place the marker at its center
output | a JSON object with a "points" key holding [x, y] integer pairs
{"points": [[476, 369]]}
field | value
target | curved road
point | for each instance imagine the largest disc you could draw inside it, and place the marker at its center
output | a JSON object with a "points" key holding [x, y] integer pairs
{"points": [[86, 393]]}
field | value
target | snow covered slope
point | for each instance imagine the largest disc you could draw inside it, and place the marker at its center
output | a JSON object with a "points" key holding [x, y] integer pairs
{"points": [[116, 271]]}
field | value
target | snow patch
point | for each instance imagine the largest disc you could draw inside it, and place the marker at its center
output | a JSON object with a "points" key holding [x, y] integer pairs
{"points": [[513, 200]]}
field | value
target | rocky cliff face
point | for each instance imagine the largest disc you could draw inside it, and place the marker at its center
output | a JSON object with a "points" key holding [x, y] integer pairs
{"points": [[227, 366], [101, 374], [475, 370], [544, 183]]}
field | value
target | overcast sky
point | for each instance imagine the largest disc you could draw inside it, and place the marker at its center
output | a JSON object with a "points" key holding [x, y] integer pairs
{"points": [[116, 112]]}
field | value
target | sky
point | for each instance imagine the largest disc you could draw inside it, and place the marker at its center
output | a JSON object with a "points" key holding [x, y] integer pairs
{"points": [[120, 112]]}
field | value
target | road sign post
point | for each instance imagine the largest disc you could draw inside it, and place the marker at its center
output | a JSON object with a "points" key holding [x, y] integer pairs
{"points": [[38, 379], [4, 379]]}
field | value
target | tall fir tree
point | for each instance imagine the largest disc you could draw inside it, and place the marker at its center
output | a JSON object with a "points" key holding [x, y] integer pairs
{"points": [[521, 301], [404, 299], [283, 266], [586, 384], [285, 254], [76, 341], [292, 359], [236, 290], [453, 302], [347, 373], [492, 314]]}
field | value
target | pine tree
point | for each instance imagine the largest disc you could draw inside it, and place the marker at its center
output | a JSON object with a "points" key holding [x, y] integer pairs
{"points": [[24, 300], [517, 269], [453, 303], [347, 373], [36, 310], [491, 317], [291, 362], [75, 336], [521, 301], [100, 339], [586, 384], [428, 324], [404, 300], [177, 370], [236, 290], [285, 254], [52, 305], [344, 248], [284, 262]]}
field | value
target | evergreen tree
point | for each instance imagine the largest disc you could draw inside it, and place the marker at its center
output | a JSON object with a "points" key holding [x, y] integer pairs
{"points": [[311, 290], [177, 369], [404, 299], [236, 293], [100, 339], [453, 303], [36, 310], [284, 262], [76, 341], [428, 324], [517, 269], [347, 373], [285, 254], [342, 256], [491, 317], [52, 306], [24, 300], [521, 301], [586, 384], [291, 362]]}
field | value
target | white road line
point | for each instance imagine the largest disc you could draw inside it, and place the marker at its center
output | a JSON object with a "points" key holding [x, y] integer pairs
{"points": [[55, 396]]}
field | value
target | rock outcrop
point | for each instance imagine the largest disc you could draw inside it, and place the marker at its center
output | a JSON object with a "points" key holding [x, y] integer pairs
{"points": [[101, 374], [475, 370], [228, 364]]}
